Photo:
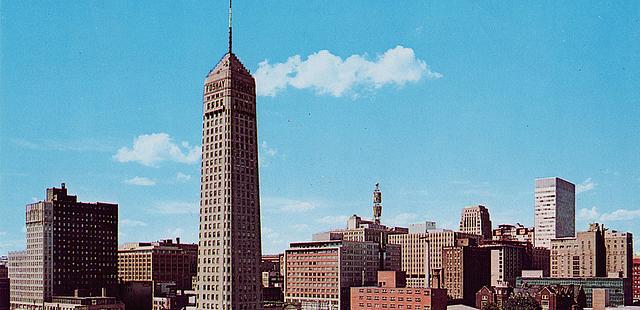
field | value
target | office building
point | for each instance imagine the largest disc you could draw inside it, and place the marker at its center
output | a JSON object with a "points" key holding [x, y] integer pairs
{"points": [[4, 286], [391, 293], [507, 232], [77, 302], [619, 289], [619, 253], [582, 256], [70, 245], [466, 269], [161, 261], [635, 281], [421, 254], [229, 249], [555, 210], [476, 220], [318, 274]]}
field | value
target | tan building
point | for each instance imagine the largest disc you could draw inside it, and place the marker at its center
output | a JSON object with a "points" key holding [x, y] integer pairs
{"points": [[70, 245], [619, 248], [422, 249], [555, 210], [318, 274], [161, 261], [582, 256], [229, 250], [476, 220], [466, 270]]}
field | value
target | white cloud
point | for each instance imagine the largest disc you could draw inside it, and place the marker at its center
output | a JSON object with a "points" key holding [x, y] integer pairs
{"points": [[617, 215], [132, 223], [141, 181], [340, 220], [287, 205], [175, 207], [326, 73], [404, 219], [152, 149], [181, 177], [269, 150], [176, 232], [585, 186]]}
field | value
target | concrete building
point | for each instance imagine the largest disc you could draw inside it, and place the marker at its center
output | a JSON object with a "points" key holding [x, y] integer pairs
{"points": [[229, 249], [476, 220], [421, 254], [318, 274], [582, 256], [4, 287], [619, 289], [391, 293], [161, 261], [70, 245], [466, 269], [83, 303], [508, 232], [555, 210], [635, 281], [619, 253]]}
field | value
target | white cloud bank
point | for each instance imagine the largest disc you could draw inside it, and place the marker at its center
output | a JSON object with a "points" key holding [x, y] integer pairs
{"points": [[141, 181], [152, 149], [326, 73], [287, 205], [618, 215]]}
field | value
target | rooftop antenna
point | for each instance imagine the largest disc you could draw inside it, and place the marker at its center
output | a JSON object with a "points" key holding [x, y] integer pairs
{"points": [[230, 33]]}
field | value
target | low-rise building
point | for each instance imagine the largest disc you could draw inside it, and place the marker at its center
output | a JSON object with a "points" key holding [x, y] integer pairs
{"points": [[508, 232], [83, 303], [619, 289], [391, 293], [495, 295]]}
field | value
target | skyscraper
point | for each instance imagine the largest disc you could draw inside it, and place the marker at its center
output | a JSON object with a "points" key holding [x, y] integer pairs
{"points": [[70, 245], [229, 250], [476, 220], [555, 210]]}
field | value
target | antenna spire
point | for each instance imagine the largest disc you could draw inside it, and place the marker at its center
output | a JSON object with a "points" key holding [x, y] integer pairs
{"points": [[230, 33]]}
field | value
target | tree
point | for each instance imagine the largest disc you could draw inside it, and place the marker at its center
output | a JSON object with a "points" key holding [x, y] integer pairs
{"points": [[521, 303], [490, 306]]}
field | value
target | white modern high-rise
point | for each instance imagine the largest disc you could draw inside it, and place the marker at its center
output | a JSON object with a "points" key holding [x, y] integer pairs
{"points": [[555, 210]]}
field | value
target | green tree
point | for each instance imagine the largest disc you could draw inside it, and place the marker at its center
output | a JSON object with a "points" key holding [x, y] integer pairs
{"points": [[490, 306], [521, 303]]}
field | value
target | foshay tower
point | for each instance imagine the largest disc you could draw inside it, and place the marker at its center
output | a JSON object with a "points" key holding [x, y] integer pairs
{"points": [[229, 249]]}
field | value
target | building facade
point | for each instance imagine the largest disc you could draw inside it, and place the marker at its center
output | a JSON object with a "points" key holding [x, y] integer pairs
{"points": [[391, 293], [619, 289], [475, 220], [619, 253], [582, 256], [229, 249], [466, 269], [318, 274], [422, 254], [635, 281], [555, 210], [4, 286], [507, 232], [83, 303], [161, 261], [70, 245]]}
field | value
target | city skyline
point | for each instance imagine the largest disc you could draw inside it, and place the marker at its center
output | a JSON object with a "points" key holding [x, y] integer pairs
{"points": [[125, 122]]}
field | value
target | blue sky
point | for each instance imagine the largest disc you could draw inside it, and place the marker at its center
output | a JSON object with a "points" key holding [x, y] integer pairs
{"points": [[446, 104]]}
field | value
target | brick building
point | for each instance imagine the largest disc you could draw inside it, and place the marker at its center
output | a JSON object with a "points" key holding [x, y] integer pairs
{"points": [[495, 295], [547, 297], [507, 232], [391, 293], [582, 256], [318, 274], [70, 245], [619, 289], [161, 261]]}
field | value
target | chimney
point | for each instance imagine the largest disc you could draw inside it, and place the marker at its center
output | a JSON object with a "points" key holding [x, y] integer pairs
{"points": [[63, 185], [178, 240], [76, 293], [104, 292]]}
